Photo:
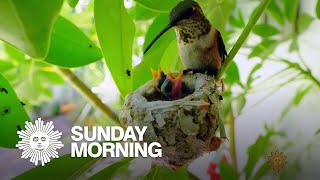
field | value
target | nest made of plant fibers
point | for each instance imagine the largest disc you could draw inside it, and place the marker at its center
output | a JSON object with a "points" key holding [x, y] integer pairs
{"points": [[185, 128]]}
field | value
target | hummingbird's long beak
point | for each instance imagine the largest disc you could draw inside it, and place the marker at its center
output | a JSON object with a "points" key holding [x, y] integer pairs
{"points": [[158, 36]]}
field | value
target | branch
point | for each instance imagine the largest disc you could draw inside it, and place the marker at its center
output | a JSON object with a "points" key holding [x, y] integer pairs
{"points": [[245, 33], [87, 93]]}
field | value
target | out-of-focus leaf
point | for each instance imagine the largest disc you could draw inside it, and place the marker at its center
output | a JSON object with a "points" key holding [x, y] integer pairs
{"points": [[262, 171], [264, 49], [110, 171], [300, 94], [164, 6], [116, 32], [226, 104], [68, 168], [251, 77], [290, 9], [291, 170], [70, 47], [227, 171], [318, 9], [27, 25], [232, 74], [265, 30], [170, 59], [73, 3], [237, 22], [5, 65], [275, 12], [240, 103], [219, 12], [49, 78], [141, 73], [294, 46], [304, 22], [159, 172], [12, 115], [143, 13], [257, 151], [317, 132], [14, 54]]}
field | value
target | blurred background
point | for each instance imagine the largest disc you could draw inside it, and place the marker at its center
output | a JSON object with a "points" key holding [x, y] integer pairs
{"points": [[272, 96]]}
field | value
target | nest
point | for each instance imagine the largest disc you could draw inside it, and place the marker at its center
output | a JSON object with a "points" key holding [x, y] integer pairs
{"points": [[186, 128]]}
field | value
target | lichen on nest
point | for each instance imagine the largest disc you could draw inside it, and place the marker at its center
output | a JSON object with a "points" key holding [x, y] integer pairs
{"points": [[186, 127]]}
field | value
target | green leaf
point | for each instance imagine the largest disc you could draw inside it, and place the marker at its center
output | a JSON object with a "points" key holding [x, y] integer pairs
{"points": [[265, 30], [73, 3], [27, 25], [142, 13], [70, 47], [110, 171], [240, 103], [141, 73], [232, 74], [264, 49], [251, 77], [226, 105], [219, 12], [318, 9], [227, 171], [237, 22], [164, 6], [64, 167], [294, 46], [317, 132], [170, 59], [301, 93], [304, 22], [256, 151], [159, 172], [262, 170], [291, 170], [290, 9], [116, 32], [12, 115], [275, 12]]}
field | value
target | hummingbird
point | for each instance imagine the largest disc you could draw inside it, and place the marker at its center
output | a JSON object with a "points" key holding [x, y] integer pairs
{"points": [[201, 47], [200, 44]]}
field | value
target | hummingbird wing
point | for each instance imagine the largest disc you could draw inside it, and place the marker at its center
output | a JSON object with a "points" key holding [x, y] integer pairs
{"points": [[221, 47]]}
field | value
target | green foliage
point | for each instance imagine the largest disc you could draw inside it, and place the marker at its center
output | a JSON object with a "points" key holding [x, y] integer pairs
{"points": [[318, 9], [232, 74], [265, 30], [64, 167], [290, 9], [115, 35], [27, 24], [304, 22], [275, 12], [163, 6], [73, 3], [237, 22], [262, 170], [256, 151], [141, 73], [264, 49], [159, 172], [317, 132], [227, 171], [70, 47], [12, 115], [110, 171]]}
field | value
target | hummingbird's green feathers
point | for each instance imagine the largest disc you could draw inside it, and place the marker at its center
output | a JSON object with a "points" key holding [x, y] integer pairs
{"points": [[182, 10]]}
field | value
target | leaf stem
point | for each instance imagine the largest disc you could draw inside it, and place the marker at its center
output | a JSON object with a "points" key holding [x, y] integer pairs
{"points": [[233, 151], [245, 33], [87, 93]]}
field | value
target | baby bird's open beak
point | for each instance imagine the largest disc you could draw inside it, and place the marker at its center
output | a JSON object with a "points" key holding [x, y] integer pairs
{"points": [[176, 87], [158, 77]]}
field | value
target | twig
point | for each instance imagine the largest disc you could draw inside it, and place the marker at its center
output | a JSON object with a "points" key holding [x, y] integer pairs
{"points": [[245, 33], [87, 93]]}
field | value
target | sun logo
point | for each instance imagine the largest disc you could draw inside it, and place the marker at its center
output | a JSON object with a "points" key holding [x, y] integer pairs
{"points": [[39, 142], [277, 160]]}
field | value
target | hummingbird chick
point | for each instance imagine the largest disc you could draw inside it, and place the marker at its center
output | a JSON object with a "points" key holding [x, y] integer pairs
{"points": [[200, 44], [158, 77], [172, 86]]}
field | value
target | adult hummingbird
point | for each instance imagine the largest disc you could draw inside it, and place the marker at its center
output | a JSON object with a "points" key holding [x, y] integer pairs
{"points": [[200, 44]]}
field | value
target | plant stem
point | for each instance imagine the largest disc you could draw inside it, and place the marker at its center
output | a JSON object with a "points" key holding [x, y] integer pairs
{"points": [[87, 93], [245, 33], [233, 151]]}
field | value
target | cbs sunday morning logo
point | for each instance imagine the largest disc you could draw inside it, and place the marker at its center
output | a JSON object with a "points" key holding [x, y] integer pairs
{"points": [[40, 142]]}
